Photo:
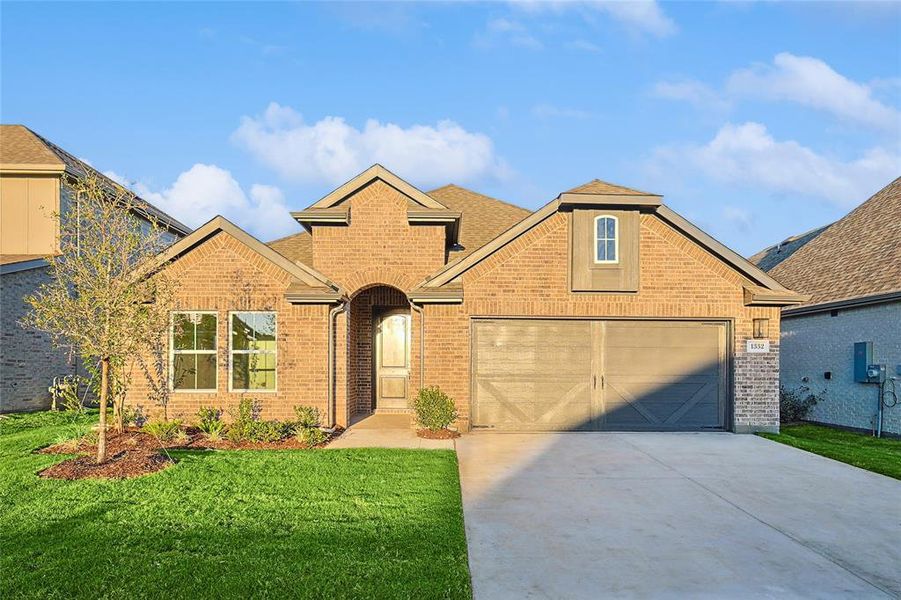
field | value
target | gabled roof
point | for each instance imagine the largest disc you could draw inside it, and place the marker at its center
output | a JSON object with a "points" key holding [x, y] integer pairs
{"points": [[857, 256], [23, 150], [368, 176], [307, 282], [765, 289], [768, 258]]}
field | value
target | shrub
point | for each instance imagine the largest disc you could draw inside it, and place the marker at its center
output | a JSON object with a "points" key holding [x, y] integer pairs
{"points": [[165, 431], [794, 404], [434, 409], [65, 393], [209, 421], [310, 436], [307, 416], [269, 431], [133, 416], [243, 420]]}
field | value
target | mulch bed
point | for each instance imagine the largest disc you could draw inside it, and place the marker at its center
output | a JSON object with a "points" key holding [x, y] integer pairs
{"points": [[134, 453], [439, 434]]}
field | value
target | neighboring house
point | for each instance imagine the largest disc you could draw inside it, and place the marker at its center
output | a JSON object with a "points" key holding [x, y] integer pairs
{"points": [[852, 272], [603, 310], [33, 173]]}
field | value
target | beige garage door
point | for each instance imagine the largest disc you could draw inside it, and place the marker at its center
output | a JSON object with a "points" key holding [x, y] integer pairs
{"points": [[556, 375]]}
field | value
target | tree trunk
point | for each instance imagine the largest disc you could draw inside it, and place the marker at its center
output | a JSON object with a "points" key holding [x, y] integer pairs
{"points": [[119, 413], [104, 397]]}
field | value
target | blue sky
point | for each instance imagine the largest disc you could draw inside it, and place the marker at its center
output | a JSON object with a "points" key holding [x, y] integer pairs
{"points": [[756, 120]]}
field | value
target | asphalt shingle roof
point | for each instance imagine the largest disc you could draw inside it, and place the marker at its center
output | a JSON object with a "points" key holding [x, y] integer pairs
{"points": [[858, 255]]}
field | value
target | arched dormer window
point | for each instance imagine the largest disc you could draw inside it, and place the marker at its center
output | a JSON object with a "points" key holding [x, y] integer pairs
{"points": [[606, 239]]}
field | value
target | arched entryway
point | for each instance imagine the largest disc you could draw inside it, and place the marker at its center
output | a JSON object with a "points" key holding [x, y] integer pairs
{"points": [[379, 351]]}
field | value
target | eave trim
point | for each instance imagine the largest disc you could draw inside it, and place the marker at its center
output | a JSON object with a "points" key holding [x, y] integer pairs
{"points": [[882, 298]]}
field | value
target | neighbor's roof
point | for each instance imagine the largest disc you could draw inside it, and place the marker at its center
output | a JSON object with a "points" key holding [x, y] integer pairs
{"points": [[768, 258], [858, 255], [484, 218], [21, 147]]}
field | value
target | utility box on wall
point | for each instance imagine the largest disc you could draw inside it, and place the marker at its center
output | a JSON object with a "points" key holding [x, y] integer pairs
{"points": [[863, 358]]}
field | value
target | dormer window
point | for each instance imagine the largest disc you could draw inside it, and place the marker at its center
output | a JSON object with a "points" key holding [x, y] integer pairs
{"points": [[606, 234]]}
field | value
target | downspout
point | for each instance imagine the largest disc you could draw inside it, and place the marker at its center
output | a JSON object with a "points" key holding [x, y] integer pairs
{"points": [[421, 341], [330, 403]]}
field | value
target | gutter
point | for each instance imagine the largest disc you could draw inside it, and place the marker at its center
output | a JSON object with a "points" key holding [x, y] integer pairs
{"points": [[330, 408], [798, 311]]}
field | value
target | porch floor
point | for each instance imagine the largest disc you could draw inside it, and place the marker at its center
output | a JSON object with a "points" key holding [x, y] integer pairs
{"points": [[386, 431]]}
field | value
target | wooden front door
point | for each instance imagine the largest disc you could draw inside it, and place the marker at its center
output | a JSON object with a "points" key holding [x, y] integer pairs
{"points": [[391, 345]]}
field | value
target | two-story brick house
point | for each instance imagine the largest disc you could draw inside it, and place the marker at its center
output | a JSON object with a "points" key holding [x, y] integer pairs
{"points": [[33, 187], [603, 310]]}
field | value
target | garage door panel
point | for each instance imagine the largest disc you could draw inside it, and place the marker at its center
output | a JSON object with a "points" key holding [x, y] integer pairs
{"points": [[653, 375]]}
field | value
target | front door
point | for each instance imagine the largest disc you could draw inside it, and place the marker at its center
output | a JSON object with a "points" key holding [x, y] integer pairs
{"points": [[392, 358]]}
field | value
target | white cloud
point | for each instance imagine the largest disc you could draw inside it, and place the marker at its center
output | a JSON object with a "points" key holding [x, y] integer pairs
{"points": [[549, 111], [332, 151], [738, 216], [747, 154], [584, 46], [640, 16], [811, 82], [506, 31], [120, 179], [698, 94], [204, 191]]}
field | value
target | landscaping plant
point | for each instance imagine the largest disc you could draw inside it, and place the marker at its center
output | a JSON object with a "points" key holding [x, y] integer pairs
{"points": [[310, 436], [307, 416], [209, 422], [434, 409], [794, 404], [244, 419], [165, 431], [95, 302]]}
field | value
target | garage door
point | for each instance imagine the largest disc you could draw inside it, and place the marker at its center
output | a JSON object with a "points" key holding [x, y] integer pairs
{"points": [[554, 375]]}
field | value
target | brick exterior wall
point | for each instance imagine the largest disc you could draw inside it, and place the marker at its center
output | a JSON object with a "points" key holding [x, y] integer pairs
{"points": [[816, 343], [223, 275], [379, 254], [28, 361], [529, 277]]}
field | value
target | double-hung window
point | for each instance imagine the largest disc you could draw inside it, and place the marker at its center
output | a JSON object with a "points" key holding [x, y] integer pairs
{"points": [[193, 358], [606, 234], [253, 353]]}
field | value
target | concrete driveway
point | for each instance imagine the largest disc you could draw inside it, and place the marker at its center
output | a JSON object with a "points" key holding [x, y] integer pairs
{"points": [[673, 515]]}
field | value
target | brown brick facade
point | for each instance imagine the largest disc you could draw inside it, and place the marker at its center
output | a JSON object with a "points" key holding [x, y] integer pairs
{"points": [[529, 277], [378, 256]]}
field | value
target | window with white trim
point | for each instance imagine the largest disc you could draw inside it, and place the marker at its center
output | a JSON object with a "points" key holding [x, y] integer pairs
{"points": [[606, 239], [193, 351], [252, 351]]}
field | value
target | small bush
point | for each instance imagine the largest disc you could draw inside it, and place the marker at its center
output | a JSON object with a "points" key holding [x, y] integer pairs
{"points": [[310, 436], [209, 421], [165, 431], [794, 404], [307, 416], [269, 431], [434, 409], [65, 394], [133, 416], [244, 418]]}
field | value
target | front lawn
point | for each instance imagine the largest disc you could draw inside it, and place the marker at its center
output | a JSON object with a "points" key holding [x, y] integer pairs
{"points": [[880, 455], [232, 524]]}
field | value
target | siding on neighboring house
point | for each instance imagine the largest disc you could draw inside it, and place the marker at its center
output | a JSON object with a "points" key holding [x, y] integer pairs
{"points": [[816, 343], [28, 362]]}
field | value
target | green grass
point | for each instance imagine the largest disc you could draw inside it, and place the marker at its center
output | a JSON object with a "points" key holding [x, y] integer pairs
{"points": [[880, 455], [371, 523]]}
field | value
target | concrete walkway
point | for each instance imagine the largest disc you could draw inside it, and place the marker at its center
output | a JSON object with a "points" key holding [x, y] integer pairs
{"points": [[386, 431], [709, 515]]}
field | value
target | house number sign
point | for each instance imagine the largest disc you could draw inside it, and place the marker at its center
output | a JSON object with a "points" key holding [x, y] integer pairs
{"points": [[758, 346]]}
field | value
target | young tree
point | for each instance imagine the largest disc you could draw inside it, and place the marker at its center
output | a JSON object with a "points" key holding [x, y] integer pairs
{"points": [[100, 300]]}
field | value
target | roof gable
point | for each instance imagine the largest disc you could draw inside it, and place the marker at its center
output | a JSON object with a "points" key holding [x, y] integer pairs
{"points": [[859, 255], [451, 272], [596, 186], [305, 277], [22, 150], [368, 176]]}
